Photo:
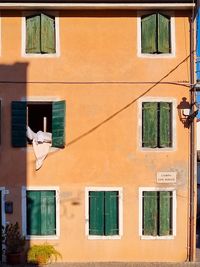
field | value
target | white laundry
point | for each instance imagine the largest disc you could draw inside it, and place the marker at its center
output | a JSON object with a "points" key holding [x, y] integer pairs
{"points": [[30, 134], [41, 150], [41, 144]]}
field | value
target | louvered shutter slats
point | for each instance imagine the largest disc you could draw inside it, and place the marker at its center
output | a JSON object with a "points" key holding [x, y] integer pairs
{"points": [[150, 213], [165, 124], [96, 213], [111, 213], [58, 124], [18, 123], [163, 34], [148, 38], [47, 34], [149, 127], [33, 34]]}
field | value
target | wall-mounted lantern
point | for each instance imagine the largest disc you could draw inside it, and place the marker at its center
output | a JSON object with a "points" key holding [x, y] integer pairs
{"points": [[186, 111]]}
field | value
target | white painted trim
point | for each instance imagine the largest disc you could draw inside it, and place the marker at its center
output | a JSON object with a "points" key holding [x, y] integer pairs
{"points": [[174, 115], [172, 31], [82, 6], [24, 219], [40, 98], [23, 35], [120, 198], [3, 214], [174, 207]]}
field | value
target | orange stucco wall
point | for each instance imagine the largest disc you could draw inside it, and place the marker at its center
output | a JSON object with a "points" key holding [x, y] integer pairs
{"points": [[97, 74]]}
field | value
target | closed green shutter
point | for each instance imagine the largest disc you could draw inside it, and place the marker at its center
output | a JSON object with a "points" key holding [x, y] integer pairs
{"points": [[58, 124], [165, 213], [96, 213], [33, 212], [48, 213], [47, 34], [148, 34], [150, 213], [163, 34], [111, 213], [19, 124], [149, 124], [165, 124], [33, 34]]}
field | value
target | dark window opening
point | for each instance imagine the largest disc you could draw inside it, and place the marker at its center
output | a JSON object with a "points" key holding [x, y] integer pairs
{"points": [[39, 116]]}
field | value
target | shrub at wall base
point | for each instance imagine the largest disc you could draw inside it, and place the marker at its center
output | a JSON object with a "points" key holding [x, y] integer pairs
{"points": [[42, 254], [13, 243]]}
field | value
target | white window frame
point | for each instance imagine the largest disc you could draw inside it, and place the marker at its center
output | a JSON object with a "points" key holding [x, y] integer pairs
{"points": [[4, 192], [156, 189], [57, 38], [172, 31], [173, 114], [40, 99], [120, 199], [24, 212]]}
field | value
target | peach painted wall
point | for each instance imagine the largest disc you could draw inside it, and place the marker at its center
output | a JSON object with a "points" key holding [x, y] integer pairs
{"points": [[99, 66]]}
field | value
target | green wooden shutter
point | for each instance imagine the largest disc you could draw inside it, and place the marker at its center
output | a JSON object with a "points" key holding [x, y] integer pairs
{"points": [[165, 124], [150, 213], [163, 34], [48, 213], [47, 34], [18, 123], [165, 213], [148, 34], [149, 124], [96, 213], [33, 212], [58, 124], [33, 34], [111, 213]]}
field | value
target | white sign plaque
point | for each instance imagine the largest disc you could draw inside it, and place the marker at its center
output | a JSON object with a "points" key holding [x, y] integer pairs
{"points": [[166, 177]]}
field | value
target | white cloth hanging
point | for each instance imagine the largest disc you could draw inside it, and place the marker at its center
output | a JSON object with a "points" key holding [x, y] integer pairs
{"points": [[41, 143]]}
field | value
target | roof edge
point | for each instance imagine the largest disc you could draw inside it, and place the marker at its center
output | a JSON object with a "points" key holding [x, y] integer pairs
{"points": [[71, 6]]}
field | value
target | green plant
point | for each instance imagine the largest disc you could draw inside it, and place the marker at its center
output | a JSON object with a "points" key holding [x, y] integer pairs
{"points": [[12, 238], [43, 254]]}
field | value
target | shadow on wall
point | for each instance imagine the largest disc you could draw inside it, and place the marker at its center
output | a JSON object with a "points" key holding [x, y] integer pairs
{"points": [[13, 159]]}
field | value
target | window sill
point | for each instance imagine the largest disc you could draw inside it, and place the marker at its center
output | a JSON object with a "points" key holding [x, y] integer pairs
{"points": [[167, 55], [165, 149], [29, 148], [111, 237], [53, 55], [147, 237], [43, 237]]}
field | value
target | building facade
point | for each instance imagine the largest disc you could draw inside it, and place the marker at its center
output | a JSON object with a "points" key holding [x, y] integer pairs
{"points": [[108, 81]]}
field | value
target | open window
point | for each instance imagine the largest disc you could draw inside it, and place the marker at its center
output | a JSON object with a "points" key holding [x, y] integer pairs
{"points": [[39, 116]]}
